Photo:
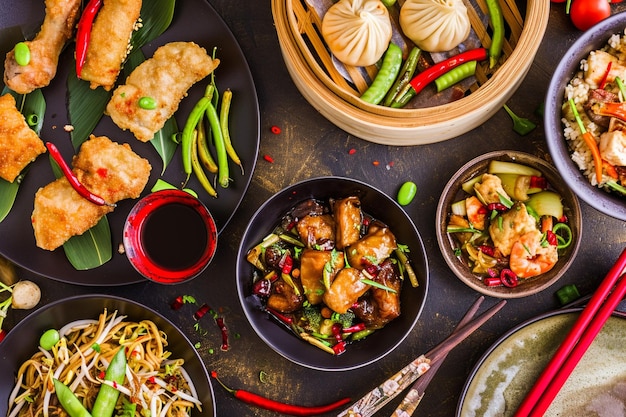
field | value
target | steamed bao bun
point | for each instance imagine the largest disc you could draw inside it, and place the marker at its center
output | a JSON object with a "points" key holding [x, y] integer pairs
{"points": [[435, 25], [357, 32]]}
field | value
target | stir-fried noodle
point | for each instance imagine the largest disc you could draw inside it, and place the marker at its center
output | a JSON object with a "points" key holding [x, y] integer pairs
{"points": [[155, 384]]}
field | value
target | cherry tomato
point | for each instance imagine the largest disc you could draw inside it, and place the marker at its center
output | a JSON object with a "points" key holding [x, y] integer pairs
{"points": [[586, 13]]}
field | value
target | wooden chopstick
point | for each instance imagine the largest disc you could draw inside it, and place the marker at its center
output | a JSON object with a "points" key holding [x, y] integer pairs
{"points": [[600, 307], [412, 399], [374, 400]]}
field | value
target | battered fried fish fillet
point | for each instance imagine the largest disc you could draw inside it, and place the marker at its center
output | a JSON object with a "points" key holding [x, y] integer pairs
{"points": [[57, 28], [165, 77], [19, 144], [109, 42], [111, 170]]}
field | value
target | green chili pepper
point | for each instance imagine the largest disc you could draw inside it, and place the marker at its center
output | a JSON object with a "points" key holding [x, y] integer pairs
{"points": [[497, 24], [187, 135], [147, 103], [406, 74], [22, 54], [521, 125], [204, 153], [70, 403], [220, 146], [386, 75], [455, 75], [107, 395], [224, 111], [197, 168]]}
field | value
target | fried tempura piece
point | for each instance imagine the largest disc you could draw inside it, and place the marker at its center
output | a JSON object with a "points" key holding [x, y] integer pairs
{"points": [[45, 49], [165, 77], [108, 45], [108, 169], [19, 144]]}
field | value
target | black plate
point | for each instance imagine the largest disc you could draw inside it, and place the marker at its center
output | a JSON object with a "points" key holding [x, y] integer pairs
{"points": [[194, 20], [374, 203], [22, 341]]}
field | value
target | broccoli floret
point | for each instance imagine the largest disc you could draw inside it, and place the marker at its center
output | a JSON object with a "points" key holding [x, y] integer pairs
{"points": [[346, 319], [312, 316]]}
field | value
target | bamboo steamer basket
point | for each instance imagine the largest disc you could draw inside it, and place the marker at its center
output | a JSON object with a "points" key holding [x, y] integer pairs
{"points": [[310, 65]]}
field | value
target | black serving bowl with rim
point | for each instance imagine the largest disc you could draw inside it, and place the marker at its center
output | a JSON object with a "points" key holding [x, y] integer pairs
{"points": [[592, 39], [374, 203], [23, 340]]}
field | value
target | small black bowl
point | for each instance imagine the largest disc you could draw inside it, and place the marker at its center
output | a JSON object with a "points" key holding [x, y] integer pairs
{"points": [[23, 340], [594, 38], [374, 203]]}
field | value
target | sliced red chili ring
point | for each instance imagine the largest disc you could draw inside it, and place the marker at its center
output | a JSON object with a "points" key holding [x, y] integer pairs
{"points": [[487, 250], [508, 278], [492, 281], [551, 237], [538, 182]]}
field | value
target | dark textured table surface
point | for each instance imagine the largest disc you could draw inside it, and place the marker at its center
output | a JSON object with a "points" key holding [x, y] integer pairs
{"points": [[311, 146]]}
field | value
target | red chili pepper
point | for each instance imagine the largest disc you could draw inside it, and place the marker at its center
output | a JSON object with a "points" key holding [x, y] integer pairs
{"points": [[605, 76], [508, 278], [487, 250], [429, 75], [276, 130], [83, 33], [353, 329], [287, 265], [339, 347], [497, 207], [538, 182], [285, 319], [551, 238], [224, 331], [73, 180], [492, 281], [178, 302], [273, 405], [201, 311], [2, 334], [268, 159]]}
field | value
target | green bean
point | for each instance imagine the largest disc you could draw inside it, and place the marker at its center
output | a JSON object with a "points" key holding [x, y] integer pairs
{"points": [[403, 97], [220, 147], [455, 75], [406, 73], [197, 168], [204, 153], [49, 339], [387, 74], [497, 24], [70, 403], [227, 97], [22, 54], [187, 135], [107, 395]]}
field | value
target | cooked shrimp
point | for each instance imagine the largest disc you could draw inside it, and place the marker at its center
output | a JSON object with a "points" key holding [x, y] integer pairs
{"points": [[529, 258]]}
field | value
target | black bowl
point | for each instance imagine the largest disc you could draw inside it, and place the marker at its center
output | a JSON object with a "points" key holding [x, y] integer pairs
{"points": [[22, 341], [594, 38], [374, 203]]}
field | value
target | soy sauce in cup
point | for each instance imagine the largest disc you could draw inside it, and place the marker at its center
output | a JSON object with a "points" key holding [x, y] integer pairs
{"points": [[170, 236]]}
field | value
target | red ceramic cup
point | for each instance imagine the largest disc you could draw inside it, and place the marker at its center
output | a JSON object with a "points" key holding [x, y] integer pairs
{"points": [[170, 236]]}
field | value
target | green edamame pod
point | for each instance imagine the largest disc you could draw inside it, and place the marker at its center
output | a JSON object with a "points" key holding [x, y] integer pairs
{"points": [[497, 24], [406, 73], [70, 403], [107, 396], [455, 75], [387, 74]]}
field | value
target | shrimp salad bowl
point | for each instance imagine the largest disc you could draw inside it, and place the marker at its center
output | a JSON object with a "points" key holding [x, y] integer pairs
{"points": [[507, 225], [332, 274], [585, 117]]}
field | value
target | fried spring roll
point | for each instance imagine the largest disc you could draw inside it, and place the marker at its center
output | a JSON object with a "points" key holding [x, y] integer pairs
{"points": [[108, 45]]}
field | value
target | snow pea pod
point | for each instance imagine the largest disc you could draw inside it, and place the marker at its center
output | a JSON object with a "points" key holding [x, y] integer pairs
{"points": [[386, 76], [455, 75], [70, 403], [107, 395]]}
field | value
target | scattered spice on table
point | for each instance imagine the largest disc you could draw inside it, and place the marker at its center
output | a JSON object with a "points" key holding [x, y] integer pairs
{"points": [[352, 151], [276, 130], [268, 159]]}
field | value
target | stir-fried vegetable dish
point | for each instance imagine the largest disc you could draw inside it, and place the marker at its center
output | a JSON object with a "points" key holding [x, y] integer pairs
{"points": [[101, 368], [331, 273], [509, 225]]}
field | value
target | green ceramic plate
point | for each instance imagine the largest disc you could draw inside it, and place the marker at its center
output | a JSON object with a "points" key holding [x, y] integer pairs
{"points": [[504, 375]]}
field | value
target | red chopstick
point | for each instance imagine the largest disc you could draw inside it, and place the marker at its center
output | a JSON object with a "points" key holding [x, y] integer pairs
{"points": [[587, 326]]}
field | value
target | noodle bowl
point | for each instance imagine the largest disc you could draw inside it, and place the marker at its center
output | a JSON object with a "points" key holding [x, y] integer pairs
{"points": [[156, 383]]}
